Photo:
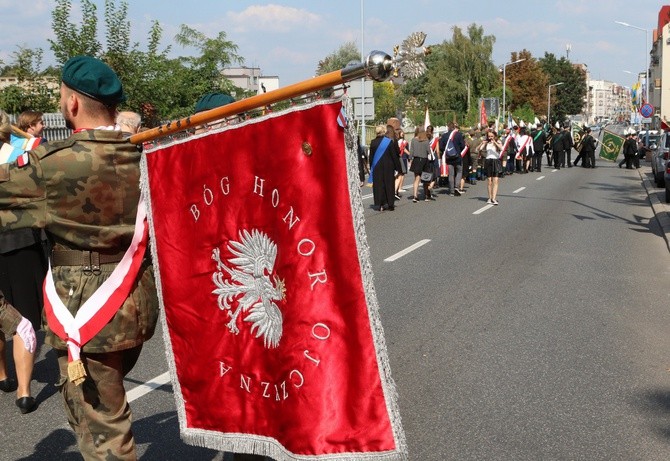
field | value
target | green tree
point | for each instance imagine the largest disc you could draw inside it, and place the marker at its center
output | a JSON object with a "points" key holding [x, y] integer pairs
{"points": [[526, 85], [215, 54], [385, 101], [568, 98], [471, 58], [459, 71], [339, 58], [72, 40], [155, 84], [32, 91]]}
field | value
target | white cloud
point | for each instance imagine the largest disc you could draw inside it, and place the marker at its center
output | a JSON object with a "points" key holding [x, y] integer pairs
{"points": [[271, 18]]}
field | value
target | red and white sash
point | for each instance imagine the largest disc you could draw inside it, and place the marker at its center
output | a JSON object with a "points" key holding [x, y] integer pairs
{"points": [[506, 145], [465, 150], [444, 168], [519, 154], [99, 309], [402, 145]]}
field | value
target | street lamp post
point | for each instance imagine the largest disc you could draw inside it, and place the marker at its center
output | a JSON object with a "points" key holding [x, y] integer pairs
{"points": [[646, 64], [504, 81], [646, 41], [549, 101], [362, 80]]}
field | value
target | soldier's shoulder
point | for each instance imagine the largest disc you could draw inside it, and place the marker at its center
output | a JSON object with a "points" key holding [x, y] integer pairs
{"points": [[48, 148]]}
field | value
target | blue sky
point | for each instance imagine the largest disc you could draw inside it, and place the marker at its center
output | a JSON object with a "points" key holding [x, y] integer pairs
{"points": [[288, 38]]}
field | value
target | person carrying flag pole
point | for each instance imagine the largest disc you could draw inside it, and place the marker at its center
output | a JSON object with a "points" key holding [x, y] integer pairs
{"points": [[100, 300]]}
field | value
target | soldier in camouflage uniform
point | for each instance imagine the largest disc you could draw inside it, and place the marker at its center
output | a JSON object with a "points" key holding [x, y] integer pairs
{"points": [[84, 191]]}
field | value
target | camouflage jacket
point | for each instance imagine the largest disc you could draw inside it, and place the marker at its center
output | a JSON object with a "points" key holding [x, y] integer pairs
{"points": [[9, 317], [84, 192]]}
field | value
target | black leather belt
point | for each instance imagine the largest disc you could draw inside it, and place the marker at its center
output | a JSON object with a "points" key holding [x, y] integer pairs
{"points": [[87, 259]]}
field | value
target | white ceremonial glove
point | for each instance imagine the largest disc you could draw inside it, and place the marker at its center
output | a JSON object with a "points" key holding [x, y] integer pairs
{"points": [[27, 334]]}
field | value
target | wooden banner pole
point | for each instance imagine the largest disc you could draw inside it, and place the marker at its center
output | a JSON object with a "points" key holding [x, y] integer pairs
{"points": [[378, 66]]}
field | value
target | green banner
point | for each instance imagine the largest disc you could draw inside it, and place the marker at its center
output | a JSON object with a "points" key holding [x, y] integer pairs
{"points": [[611, 146], [577, 133]]}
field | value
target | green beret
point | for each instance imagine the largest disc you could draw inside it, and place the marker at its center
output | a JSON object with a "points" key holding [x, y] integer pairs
{"points": [[92, 77], [212, 101]]}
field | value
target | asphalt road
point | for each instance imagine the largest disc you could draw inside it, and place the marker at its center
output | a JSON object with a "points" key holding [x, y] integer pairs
{"points": [[534, 330]]}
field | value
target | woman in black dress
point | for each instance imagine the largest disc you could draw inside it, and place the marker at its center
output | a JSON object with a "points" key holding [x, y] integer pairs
{"points": [[385, 162]]}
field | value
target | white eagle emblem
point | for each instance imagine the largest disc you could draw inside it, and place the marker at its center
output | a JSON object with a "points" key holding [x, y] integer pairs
{"points": [[250, 284]]}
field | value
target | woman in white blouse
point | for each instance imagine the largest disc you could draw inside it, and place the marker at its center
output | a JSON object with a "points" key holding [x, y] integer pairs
{"points": [[492, 148]]}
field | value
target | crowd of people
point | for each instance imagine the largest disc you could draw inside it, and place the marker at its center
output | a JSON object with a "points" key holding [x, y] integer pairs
{"points": [[456, 157], [52, 208]]}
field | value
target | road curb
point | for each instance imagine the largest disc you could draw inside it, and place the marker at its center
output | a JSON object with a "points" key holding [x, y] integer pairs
{"points": [[661, 209]]}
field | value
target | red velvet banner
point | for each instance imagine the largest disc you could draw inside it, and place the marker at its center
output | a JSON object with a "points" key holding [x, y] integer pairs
{"points": [[270, 332]]}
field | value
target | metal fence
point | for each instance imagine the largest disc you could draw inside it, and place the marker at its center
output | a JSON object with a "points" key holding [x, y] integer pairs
{"points": [[54, 126]]}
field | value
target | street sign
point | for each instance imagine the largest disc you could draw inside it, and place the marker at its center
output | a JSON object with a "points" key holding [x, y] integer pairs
{"points": [[647, 110]]}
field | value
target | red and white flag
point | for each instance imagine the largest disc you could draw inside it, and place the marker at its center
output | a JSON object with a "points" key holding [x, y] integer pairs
{"points": [[508, 140], [270, 316], [482, 115]]}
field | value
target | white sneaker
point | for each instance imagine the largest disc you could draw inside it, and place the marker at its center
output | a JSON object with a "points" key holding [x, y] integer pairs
{"points": [[489, 201], [495, 202]]}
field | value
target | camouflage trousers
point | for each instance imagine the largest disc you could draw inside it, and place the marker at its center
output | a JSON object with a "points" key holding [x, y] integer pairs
{"points": [[97, 409]]}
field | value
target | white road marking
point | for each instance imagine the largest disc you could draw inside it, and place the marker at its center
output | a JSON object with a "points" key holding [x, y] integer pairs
{"points": [[554, 170], [407, 250], [143, 389], [518, 190], [541, 177], [483, 209]]}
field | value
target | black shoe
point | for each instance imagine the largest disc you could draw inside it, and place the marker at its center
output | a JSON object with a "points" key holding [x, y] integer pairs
{"points": [[26, 404], [8, 385]]}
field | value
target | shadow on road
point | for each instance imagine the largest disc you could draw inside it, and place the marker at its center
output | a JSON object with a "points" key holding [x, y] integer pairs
{"points": [[57, 445], [655, 406]]}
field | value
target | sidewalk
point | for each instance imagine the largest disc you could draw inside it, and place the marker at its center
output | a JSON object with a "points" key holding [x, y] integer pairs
{"points": [[657, 200]]}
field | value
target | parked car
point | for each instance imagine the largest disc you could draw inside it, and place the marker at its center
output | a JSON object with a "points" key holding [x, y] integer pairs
{"points": [[648, 145], [667, 182], [659, 159]]}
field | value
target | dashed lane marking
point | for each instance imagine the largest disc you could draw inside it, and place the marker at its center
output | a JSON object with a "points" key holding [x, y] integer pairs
{"points": [[483, 209], [143, 389], [407, 250]]}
